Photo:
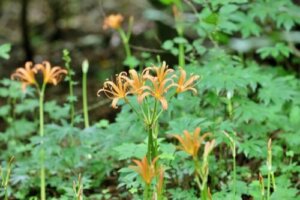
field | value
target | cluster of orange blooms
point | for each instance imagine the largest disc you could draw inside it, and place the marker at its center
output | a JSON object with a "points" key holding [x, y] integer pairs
{"points": [[27, 74], [145, 84], [190, 143]]}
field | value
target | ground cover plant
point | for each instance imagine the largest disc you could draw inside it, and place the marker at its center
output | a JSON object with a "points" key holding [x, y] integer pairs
{"points": [[211, 111]]}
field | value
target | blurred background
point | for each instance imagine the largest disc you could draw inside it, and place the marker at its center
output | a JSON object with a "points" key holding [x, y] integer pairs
{"points": [[40, 30]]}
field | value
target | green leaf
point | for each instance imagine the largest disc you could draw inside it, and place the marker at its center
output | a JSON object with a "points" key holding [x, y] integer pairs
{"points": [[131, 150], [131, 61], [4, 50], [168, 45], [278, 90], [278, 49]]}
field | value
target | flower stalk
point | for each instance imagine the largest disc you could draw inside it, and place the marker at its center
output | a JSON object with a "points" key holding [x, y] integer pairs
{"points": [[6, 176], [271, 177], [85, 67], [115, 22], [177, 12], [233, 151], [42, 150], [71, 98], [51, 75], [78, 189]]}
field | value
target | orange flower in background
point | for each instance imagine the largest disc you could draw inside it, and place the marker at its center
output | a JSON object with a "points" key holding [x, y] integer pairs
{"points": [[137, 83], [52, 75], [191, 143], [144, 169], [113, 21], [116, 91], [185, 85], [26, 75]]}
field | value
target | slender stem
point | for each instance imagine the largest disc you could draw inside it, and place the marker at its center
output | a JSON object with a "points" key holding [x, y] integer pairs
{"points": [[268, 187], [234, 175], [71, 98], [181, 55], [150, 144], [67, 59], [273, 181], [147, 192], [125, 41], [196, 164], [42, 153], [84, 96]]}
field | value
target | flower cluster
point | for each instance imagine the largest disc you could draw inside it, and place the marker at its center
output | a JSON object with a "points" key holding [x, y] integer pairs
{"points": [[191, 143], [27, 74], [145, 170], [146, 84]]}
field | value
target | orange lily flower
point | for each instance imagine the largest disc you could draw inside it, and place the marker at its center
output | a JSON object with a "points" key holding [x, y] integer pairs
{"points": [[51, 75], [113, 21], [145, 170], [185, 85], [191, 143], [26, 75], [159, 89], [115, 91], [161, 83], [137, 83], [162, 72]]}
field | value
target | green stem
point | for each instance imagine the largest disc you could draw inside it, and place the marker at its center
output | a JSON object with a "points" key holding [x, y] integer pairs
{"points": [[150, 144], [234, 175], [181, 59], [42, 153], [84, 97], [72, 99], [273, 180], [268, 187], [125, 41], [147, 192]]}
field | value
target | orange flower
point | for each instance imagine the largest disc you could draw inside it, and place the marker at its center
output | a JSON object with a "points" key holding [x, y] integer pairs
{"points": [[137, 83], [51, 75], [146, 171], [113, 21], [116, 91], [162, 72], [191, 143], [185, 85], [161, 83], [159, 89], [26, 75]]}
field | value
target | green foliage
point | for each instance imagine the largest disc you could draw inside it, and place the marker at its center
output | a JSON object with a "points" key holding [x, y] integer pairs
{"points": [[251, 90], [4, 51]]}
